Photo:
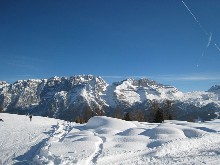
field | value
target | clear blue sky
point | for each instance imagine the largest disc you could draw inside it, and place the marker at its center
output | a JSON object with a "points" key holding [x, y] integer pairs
{"points": [[115, 39]]}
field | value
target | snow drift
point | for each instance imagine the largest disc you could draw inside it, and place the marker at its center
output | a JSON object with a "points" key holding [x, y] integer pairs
{"points": [[103, 122], [104, 140]]}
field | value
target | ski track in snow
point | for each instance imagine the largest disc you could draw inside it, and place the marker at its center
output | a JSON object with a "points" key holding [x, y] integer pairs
{"points": [[58, 134], [20, 139], [99, 149], [104, 141]]}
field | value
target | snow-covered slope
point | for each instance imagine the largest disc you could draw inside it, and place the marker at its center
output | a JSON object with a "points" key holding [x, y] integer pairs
{"points": [[21, 139], [132, 91], [104, 140], [83, 96]]}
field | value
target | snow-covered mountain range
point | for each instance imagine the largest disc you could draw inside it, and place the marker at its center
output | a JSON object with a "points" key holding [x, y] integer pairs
{"points": [[83, 96]]}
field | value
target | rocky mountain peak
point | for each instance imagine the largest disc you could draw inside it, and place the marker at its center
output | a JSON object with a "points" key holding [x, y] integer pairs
{"points": [[215, 89], [74, 97], [3, 84]]}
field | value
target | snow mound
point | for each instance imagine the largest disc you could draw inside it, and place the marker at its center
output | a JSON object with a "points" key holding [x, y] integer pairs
{"points": [[107, 131], [165, 131], [191, 132], [104, 141], [132, 132], [103, 122]]}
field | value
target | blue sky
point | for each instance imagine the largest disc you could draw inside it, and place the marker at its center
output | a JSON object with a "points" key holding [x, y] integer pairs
{"points": [[115, 39]]}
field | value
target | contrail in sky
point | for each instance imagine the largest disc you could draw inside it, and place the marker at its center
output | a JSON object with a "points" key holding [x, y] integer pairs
{"points": [[217, 47], [210, 39], [205, 32], [195, 18]]}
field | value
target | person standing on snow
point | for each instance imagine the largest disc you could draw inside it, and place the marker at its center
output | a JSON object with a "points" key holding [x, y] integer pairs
{"points": [[30, 117]]}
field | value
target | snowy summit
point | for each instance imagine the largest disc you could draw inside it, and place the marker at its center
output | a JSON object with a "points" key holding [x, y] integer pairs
{"points": [[83, 96]]}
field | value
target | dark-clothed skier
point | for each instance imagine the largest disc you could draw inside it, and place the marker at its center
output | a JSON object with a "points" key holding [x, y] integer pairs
{"points": [[30, 117]]}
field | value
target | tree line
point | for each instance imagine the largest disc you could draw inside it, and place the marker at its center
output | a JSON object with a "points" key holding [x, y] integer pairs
{"points": [[157, 113]]}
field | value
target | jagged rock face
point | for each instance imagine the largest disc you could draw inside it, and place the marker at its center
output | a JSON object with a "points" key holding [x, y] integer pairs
{"points": [[83, 96], [52, 97], [215, 89], [130, 92], [21, 94]]}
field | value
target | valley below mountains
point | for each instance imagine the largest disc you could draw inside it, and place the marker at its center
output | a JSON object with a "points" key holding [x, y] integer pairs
{"points": [[78, 98]]}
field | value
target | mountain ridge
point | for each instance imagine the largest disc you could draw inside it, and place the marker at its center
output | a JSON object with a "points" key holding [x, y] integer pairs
{"points": [[83, 96]]}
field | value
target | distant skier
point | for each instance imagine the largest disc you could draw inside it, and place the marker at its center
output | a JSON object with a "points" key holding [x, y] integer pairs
{"points": [[30, 117]]}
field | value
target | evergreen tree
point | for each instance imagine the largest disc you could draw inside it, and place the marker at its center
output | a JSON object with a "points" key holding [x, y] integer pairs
{"points": [[117, 113], [87, 114], [157, 115], [77, 120], [159, 118], [127, 117], [170, 115], [167, 110], [153, 109], [137, 115], [82, 121]]}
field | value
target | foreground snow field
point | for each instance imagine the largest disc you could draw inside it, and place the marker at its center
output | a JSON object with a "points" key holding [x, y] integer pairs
{"points": [[105, 140]]}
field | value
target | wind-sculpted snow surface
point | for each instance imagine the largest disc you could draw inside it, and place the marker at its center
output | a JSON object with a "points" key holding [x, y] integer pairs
{"points": [[103, 122], [104, 141], [21, 139]]}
